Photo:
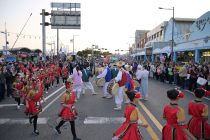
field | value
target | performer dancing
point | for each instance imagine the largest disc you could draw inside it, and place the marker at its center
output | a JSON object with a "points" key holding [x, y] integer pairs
{"points": [[57, 73], [198, 125], [130, 128], [77, 76], [64, 74], [33, 104], [52, 76], [68, 113], [18, 88], [121, 79], [108, 76], [176, 126], [85, 79]]}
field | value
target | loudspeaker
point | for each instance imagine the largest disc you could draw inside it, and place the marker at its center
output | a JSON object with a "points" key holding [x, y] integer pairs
{"points": [[73, 57]]}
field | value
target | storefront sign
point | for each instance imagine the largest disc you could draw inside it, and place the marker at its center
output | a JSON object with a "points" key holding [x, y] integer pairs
{"points": [[206, 39], [21, 53], [162, 57], [201, 23], [206, 53], [190, 53]]}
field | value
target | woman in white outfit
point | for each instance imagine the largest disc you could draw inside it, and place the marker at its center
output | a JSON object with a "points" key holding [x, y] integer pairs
{"points": [[77, 76]]}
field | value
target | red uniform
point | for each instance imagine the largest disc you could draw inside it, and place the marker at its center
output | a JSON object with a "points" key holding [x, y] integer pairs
{"points": [[65, 72], [175, 122], [129, 130], [18, 86], [197, 124], [34, 102], [58, 71], [52, 76], [26, 90], [68, 114]]}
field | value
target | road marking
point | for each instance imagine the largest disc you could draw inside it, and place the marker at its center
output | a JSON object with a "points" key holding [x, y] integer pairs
{"points": [[159, 126], [105, 120], [50, 103], [22, 121], [2, 105]]}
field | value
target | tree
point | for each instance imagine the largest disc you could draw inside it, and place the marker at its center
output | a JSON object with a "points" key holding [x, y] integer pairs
{"points": [[87, 51]]}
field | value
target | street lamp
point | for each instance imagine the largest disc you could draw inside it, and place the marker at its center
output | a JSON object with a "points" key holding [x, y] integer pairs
{"points": [[172, 31]]}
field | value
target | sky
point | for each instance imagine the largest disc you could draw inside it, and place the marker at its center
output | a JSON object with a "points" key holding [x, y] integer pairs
{"points": [[110, 24]]}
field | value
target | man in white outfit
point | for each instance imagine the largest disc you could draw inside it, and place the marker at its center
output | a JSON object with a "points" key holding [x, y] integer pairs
{"points": [[108, 76], [121, 80]]}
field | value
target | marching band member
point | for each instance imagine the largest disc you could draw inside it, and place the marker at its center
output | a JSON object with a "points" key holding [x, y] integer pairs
{"points": [[77, 76], [85, 80], [121, 79], [68, 113], [33, 104], [176, 127], [130, 128], [108, 76], [64, 74], [18, 88], [144, 83], [199, 111]]}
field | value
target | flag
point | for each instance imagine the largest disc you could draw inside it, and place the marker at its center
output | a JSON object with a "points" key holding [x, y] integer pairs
{"points": [[64, 50], [60, 50]]}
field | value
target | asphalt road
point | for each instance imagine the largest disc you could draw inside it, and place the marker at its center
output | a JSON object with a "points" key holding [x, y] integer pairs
{"points": [[97, 117]]}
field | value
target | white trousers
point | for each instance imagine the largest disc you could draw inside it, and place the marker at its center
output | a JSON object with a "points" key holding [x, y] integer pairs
{"points": [[78, 89], [119, 97], [87, 85], [105, 90]]}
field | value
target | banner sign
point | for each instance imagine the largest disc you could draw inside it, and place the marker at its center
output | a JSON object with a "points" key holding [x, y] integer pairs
{"points": [[162, 57], [21, 53]]}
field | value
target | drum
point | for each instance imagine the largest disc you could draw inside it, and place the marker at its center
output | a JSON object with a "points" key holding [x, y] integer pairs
{"points": [[64, 75], [100, 82], [48, 81], [17, 94], [136, 83], [56, 74], [113, 88]]}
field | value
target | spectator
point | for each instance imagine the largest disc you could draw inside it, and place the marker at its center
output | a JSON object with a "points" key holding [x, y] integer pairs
{"points": [[9, 80], [182, 74], [193, 78]]}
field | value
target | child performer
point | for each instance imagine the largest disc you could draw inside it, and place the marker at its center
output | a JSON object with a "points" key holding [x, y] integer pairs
{"points": [[33, 104], [27, 88], [47, 80], [64, 74], [130, 130], [52, 77], [199, 111], [176, 127], [57, 73], [68, 113], [18, 88]]}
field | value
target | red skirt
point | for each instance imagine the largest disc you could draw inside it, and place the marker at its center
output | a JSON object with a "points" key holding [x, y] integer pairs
{"points": [[68, 114], [33, 109], [127, 132], [173, 133], [196, 127]]}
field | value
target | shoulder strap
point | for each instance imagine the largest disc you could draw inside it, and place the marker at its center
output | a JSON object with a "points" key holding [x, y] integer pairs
{"points": [[85, 73]]}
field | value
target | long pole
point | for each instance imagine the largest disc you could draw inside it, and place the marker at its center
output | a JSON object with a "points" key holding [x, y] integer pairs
{"points": [[43, 36], [6, 34], [92, 53], [172, 38], [73, 44], [57, 42]]}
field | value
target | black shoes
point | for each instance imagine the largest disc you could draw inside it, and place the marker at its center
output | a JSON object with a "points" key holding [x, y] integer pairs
{"points": [[77, 139], [36, 132], [57, 130], [30, 119]]}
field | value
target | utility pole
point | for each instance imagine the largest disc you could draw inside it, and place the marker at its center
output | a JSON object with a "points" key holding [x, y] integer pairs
{"points": [[43, 36], [57, 42], [6, 34]]}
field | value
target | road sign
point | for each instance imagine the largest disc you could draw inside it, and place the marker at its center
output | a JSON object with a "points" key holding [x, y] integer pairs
{"points": [[65, 16]]}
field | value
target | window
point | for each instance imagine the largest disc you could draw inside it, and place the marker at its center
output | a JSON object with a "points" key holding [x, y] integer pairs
{"points": [[154, 36], [161, 32], [157, 34]]}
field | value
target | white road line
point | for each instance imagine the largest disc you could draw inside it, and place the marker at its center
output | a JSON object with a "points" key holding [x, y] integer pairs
{"points": [[105, 120], [48, 104], [22, 121], [2, 105]]}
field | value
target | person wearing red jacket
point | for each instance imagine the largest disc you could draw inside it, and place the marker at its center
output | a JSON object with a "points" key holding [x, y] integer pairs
{"points": [[52, 73], [64, 74], [57, 73]]}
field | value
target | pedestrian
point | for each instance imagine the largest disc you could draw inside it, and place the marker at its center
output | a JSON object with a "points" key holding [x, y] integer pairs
{"points": [[18, 87], [2, 81], [86, 74], [68, 113], [144, 83], [33, 104], [198, 125], [176, 127], [130, 128], [9, 80]]}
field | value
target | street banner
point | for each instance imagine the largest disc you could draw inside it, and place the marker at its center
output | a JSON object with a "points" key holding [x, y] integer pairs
{"points": [[162, 57]]}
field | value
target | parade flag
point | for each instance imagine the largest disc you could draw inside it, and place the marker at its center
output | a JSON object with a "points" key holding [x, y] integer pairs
{"points": [[60, 50], [64, 50]]}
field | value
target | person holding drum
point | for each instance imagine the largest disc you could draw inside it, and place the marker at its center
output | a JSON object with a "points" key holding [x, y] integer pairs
{"points": [[108, 76], [121, 80]]}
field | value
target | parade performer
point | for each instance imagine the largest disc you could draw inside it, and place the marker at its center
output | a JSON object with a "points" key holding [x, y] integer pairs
{"points": [[33, 104], [108, 76], [52, 76], [47, 80], [114, 71], [77, 76], [68, 113], [64, 74], [18, 88], [57, 73], [198, 125], [130, 128], [176, 127], [129, 84], [144, 82], [27, 88], [85, 79], [121, 79]]}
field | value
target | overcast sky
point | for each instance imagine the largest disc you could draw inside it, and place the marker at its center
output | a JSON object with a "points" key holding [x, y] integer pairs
{"points": [[107, 23]]}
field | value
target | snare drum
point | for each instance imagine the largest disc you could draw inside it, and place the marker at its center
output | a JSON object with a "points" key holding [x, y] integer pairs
{"points": [[113, 87]]}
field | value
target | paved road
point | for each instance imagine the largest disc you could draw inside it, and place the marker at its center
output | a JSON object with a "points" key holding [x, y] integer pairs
{"points": [[97, 118]]}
